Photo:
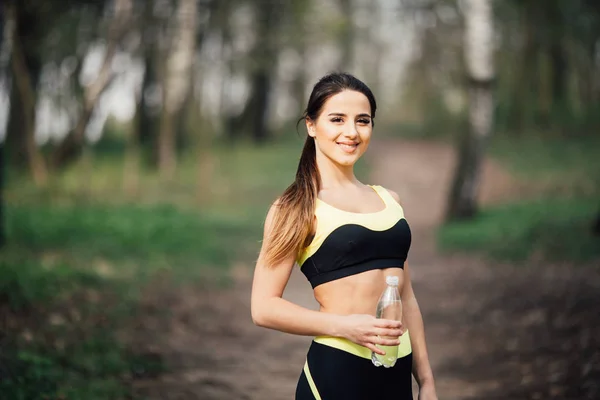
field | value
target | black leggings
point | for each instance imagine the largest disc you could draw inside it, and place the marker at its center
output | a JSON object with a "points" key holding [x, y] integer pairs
{"points": [[340, 375]]}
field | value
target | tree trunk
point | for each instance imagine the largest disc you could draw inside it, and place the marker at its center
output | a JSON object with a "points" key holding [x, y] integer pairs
{"points": [[254, 117], [524, 102], [146, 119], [25, 87], [347, 37], [559, 75], [2, 218], [300, 81], [176, 83], [478, 47], [596, 225], [14, 139], [262, 89], [71, 147], [3, 75], [131, 165], [15, 127]]}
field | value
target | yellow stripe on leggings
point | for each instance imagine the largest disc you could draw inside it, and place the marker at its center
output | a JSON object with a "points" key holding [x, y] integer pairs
{"points": [[311, 383], [346, 345]]}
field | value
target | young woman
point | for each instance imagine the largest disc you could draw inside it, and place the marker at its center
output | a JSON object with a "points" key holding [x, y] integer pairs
{"points": [[346, 237]]}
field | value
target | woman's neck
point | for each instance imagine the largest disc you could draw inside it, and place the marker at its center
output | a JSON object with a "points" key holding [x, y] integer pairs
{"points": [[334, 175]]}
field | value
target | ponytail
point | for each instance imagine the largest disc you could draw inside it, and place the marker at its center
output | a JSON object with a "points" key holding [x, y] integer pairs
{"points": [[293, 220]]}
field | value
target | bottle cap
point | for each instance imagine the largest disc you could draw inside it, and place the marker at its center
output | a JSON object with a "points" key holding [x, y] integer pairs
{"points": [[392, 280]]}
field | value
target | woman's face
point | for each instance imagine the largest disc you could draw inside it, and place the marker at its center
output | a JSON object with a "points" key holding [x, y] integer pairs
{"points": [[343, 129]]}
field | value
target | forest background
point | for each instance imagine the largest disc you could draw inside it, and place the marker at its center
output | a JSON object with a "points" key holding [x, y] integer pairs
{"points": [[143, 141]]}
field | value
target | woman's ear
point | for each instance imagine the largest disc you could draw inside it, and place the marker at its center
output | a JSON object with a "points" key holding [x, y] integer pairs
{"points": [[310, 127]]}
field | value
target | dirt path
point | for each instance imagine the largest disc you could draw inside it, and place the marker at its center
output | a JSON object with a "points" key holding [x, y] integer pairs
{"points": [[213, 351], [420, 172]]}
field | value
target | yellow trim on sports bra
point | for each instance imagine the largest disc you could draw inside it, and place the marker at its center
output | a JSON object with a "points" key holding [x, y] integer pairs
{"points": [[330, 218], [404, 348]]}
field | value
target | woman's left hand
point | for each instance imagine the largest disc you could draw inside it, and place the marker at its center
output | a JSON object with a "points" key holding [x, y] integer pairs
{"points": [[427, 392]]}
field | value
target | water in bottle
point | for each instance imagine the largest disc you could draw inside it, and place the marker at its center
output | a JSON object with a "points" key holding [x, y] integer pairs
{"points": [[388, 307]]}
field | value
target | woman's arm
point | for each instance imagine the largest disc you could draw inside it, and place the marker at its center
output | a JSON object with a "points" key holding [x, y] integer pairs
{"points": [[414, 321], [270, 310]]}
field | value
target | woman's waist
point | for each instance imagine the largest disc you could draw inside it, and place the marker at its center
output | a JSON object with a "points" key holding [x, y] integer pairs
{"points": [[349, 308], [356, 294], [340, 343]]}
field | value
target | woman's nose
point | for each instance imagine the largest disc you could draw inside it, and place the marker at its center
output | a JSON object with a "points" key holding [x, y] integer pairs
{"points": [[350, 130]]}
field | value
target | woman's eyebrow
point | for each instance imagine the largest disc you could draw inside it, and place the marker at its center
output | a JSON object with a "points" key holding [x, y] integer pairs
{"points": [[343, 115]]}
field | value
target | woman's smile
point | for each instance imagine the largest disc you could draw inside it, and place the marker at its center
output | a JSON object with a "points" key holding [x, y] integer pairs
{"points": [[348, 147]]}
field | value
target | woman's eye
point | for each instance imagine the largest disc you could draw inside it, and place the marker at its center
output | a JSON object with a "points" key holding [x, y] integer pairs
{"points": [[336, 119], [364, 121]]}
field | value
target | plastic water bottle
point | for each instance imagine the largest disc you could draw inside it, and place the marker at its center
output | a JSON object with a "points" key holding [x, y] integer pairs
{"points": [[388, 307]]}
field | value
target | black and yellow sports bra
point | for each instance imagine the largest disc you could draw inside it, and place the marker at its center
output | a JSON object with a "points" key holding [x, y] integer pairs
{"points": [[347, 243]]}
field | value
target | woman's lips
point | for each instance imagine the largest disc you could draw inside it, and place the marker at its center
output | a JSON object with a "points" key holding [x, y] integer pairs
{"points": [[348, 147]]}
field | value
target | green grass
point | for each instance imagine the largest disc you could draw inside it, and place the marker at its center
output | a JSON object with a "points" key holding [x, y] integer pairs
{"points": [[546, 230], [553, 220], [86, 246], [552, 165], [60, 340], [27, 283], [127, 240], [94, 368]]}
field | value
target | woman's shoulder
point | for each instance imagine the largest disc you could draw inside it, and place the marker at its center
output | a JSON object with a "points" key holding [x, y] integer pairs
{"points": [[392, 193]]}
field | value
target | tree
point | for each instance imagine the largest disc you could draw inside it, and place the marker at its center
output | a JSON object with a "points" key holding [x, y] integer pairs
{"points": [[3, 75], [262, 60], [596, 225], [70, 148], [146, 115], [298, 38], [176, 82], [26, 65], [347, 36], [478, 56]]}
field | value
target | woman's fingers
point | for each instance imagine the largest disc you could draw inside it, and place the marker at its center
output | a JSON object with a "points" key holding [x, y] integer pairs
{"points": [[374, 348], [385, 341], [388, 332], [388, 323]]}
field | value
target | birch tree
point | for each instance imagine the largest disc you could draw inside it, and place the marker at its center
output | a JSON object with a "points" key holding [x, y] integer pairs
{"points": [[72, 146], [176, 83], [478, 56]]}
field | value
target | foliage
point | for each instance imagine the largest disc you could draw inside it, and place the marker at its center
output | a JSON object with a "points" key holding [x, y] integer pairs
{"points": [[560, 185], [60, 334], [42, 373], [552, 165], [549, 230], [547, 66], [28, 284], [82, 250]]}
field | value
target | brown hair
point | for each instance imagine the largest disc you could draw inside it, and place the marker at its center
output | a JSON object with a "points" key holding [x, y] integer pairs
{"points": [[294, 218]]}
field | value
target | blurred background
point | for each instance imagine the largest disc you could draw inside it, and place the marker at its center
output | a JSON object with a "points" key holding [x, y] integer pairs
{"points": [[143, 141]]}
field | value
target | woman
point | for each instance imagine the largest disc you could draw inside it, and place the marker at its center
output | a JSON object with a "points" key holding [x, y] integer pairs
{"points": [[346, 237]]}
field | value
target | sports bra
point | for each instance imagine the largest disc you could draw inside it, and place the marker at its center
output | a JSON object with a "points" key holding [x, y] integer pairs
{"points": [[348, 243]]}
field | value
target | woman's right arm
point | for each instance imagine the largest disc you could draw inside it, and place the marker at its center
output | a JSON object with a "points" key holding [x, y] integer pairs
{"points": [[270, 310]]}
